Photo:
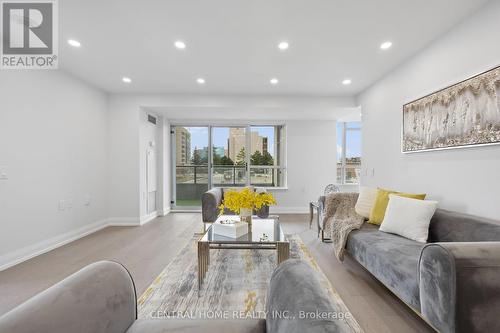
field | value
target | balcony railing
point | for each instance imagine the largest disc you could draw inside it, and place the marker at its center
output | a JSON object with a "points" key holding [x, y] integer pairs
{"points": [[228, 175], [350, 173]]}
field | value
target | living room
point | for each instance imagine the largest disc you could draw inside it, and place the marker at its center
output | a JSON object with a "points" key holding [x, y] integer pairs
{"points": [[150, 160]]}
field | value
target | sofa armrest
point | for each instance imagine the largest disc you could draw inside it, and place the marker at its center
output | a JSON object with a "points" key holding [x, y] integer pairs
{"points": [[99, 298], [297, 302], [460, 286], [210, 203]]}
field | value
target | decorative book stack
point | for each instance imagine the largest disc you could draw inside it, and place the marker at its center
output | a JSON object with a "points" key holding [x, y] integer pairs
{"points": [[230, 226]]}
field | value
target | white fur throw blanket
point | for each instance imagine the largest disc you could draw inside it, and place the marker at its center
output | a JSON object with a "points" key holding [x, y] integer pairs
{"points": [[340, 219]]}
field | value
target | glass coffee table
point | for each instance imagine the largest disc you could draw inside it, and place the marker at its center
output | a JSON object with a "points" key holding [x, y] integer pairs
{"points": [[263, 234]]}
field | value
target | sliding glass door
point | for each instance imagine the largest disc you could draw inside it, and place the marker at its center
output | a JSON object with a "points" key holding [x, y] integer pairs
{"points": [[190, 153]]}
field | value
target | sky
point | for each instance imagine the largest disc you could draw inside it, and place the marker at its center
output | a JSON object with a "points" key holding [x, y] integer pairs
{"points": [[199, 136]]}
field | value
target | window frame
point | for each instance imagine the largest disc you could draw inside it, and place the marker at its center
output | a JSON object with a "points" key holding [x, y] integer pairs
{"points": [[248, 126], [341, 178], [281, 154]]}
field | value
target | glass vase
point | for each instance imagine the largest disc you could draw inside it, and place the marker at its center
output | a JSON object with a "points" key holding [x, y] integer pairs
{"points": [[246, 215]]}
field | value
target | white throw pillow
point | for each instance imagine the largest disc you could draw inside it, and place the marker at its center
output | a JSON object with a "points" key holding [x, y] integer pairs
{"points": [[365, 201], [409, 218]]}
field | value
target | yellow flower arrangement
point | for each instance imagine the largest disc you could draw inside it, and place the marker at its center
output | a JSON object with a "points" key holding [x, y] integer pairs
{"points": [[246, 198]]}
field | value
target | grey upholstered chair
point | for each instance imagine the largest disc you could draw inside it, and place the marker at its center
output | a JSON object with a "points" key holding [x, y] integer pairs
{"points": [[319, 206], [212, 199]]}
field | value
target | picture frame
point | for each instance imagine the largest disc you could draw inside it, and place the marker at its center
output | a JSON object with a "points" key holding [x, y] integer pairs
{"points": [[464, 114]]}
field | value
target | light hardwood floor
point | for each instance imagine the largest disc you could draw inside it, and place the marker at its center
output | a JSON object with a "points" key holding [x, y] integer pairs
{"points": [[146, 250]]}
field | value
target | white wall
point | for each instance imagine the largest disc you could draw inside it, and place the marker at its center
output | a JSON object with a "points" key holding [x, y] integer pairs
{"points": [[311, 143], [464, 180], [123, 147], [53, 143], [311, 163], [61, 139]]}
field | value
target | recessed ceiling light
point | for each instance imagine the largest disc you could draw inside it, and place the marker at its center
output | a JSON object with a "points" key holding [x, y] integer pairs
{"points": [[283, 46], [74, 43], [274, 80], [180, 45], [126, 79], [346, 82], [386, 45], [200, 80]]}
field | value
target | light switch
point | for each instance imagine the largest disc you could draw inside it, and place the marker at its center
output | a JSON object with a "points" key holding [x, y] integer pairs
{"points": [[62, 205], [86, 200], [3, 172]]}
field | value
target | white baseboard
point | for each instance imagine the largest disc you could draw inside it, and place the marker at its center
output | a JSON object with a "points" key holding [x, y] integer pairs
{"points": [[148, 218], [186, 210], [289, 210], [31, 251], [273, 210], [18, 256], [164, 211]]}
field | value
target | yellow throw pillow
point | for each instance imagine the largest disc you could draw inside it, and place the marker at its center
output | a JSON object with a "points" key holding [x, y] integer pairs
{"points": [[382, 200]]}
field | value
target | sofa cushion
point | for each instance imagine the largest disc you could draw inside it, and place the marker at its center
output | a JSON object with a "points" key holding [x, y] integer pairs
{"points": [[382, 200], [170, 325], [392, 259], [409, 218], [366, 199]]}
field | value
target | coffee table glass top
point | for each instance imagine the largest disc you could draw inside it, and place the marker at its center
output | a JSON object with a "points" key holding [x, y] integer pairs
{"points": [[262, 230]]}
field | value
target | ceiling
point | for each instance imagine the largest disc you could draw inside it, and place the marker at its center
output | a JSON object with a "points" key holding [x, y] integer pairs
{"points": [[232, 44]]}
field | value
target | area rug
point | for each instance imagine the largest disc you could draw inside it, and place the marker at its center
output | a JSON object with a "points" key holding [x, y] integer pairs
{"points": [[236, 283]]}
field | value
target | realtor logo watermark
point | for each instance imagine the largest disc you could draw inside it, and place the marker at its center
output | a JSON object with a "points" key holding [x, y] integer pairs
{"points": [[29, 34]]}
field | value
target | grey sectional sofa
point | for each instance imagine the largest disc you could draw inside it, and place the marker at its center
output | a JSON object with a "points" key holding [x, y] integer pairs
{"points": [[101, 298], [453, 281]]}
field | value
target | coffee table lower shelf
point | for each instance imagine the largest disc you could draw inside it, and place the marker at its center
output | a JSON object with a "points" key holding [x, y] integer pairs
{"points": [[282, 249]]}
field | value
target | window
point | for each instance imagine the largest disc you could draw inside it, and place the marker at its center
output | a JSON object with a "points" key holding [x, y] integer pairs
{"points": [[348, 152], [229, 161], [217, 156], [266, 151]]}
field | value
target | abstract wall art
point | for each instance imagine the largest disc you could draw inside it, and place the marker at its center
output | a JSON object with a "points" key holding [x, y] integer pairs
{"points": [[464, 114]]}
